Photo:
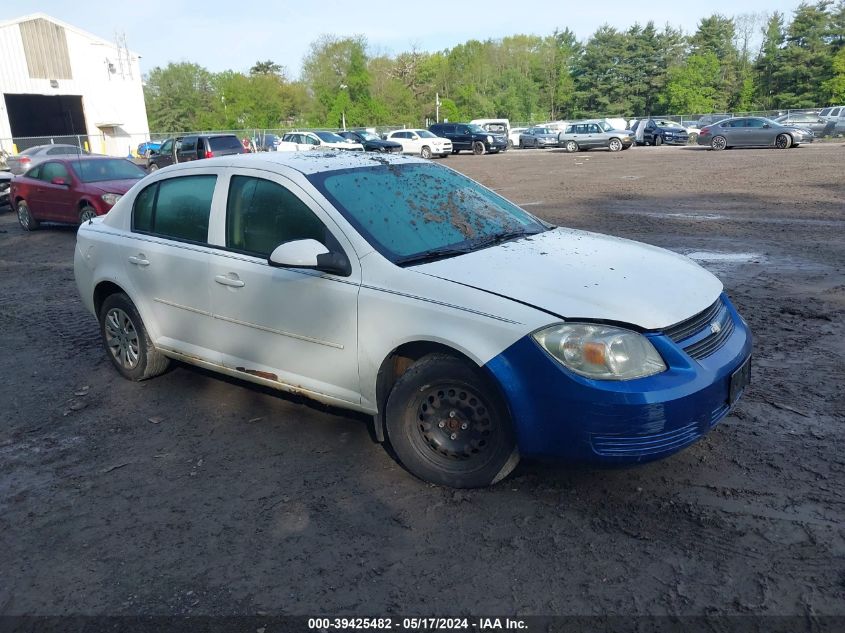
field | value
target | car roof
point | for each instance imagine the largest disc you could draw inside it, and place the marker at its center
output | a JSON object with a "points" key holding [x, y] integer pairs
{"points": [[308, 162]]}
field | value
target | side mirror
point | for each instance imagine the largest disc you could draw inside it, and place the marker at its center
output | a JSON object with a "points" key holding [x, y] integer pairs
{"points": [[59, 181], [310, 254], [415, 137], [766, 125]]}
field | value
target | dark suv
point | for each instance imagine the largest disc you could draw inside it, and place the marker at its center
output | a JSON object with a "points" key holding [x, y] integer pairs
{"points": [[194, 147], [470, 137], [371, 142]]}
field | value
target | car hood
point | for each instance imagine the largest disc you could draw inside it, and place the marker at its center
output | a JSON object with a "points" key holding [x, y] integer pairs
{"points": [[580, 275], [673, 129], [326, 144], [113, 186], [384, 144]]}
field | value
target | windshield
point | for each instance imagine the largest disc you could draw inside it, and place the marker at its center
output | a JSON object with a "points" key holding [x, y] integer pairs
{"points": [[425, 134], [666, 124], [477, 129], [542, 130], [605, 126], [406, 211], [368, 136], [101, 169], [331, 137]]}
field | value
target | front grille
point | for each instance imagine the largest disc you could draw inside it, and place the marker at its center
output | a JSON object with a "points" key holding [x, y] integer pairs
{"points": [[644, 445], [685, 329], [647, 444], [717, 319]]}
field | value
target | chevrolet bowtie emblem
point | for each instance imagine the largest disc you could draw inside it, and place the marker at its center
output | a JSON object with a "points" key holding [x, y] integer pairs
{"points": [[715, 327]]}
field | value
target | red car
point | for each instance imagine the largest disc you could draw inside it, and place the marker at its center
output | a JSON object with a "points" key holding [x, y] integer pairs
{"points": [[71, 190]]}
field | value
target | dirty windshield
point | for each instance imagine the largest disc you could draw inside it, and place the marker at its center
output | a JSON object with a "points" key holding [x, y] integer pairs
{"points": [[414, 213]]}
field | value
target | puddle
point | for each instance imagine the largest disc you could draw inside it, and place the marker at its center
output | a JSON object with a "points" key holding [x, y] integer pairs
{"points": [[721, 257], [694, 216]]}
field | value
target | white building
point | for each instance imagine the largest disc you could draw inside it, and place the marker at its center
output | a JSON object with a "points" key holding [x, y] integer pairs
{"points": [[58, 82]]}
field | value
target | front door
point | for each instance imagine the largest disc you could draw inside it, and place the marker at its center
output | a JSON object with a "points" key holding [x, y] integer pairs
{"points": [[52, 201], [291, 326]]}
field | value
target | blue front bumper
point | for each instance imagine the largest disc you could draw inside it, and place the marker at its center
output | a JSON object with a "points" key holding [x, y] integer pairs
{"points": [[560, 414]]}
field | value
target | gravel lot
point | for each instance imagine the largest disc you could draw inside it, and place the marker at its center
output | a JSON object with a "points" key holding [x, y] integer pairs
{"points": [[196, 494]]}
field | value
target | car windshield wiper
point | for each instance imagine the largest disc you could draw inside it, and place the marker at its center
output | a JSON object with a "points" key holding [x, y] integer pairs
{"points": [[450, 251], [433, 254], [499, 238]]}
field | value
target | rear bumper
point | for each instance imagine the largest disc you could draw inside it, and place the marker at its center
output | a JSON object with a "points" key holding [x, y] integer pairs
{"points": [[562, 415]]}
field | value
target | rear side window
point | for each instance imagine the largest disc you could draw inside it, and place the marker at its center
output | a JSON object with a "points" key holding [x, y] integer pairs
{"points": [[261, 214], [177, 208], [219, 143]]}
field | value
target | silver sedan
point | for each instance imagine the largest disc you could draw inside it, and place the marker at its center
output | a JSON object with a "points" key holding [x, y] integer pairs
{"points": [[30, 157], [752, 132]]}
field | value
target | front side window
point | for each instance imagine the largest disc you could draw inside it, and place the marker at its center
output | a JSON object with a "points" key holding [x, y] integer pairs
{"points": [[168, 145], [177, 208], [405, 211], [261, 214], [54, 170]]}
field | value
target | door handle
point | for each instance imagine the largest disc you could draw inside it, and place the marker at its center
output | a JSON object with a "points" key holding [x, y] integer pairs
{"points": [[139, 260], [234, 282]]}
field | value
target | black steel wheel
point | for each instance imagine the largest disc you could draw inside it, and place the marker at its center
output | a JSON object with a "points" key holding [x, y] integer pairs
{"points": [[449, 426], [478, 148]]}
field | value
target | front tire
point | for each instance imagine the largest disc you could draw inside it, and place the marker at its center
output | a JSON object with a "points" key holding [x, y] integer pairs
{"points": [[425, 152], [718, 143], [571, 147], [153, 167], [614, 145], [127, 343], [478, 148], [658, 141], [87, 213], [783, 141], [25, 217], [449, 426]]}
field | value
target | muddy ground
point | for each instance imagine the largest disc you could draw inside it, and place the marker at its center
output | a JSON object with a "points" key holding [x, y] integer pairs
{"points": [[195, 494]]}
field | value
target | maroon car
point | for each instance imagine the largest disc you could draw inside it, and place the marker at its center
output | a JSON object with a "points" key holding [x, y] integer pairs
{"points": [[71, 190]]}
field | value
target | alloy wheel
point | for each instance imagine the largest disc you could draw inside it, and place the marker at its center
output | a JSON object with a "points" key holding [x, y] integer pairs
{"points": [[122, 338]]}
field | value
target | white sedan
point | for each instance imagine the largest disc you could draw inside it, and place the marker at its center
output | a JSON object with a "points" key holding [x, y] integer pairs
{"points": [[470, 330], [300, 141], [422, 143]]}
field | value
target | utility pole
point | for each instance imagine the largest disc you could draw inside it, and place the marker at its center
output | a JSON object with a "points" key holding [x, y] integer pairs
{"points": [[437, 107]]}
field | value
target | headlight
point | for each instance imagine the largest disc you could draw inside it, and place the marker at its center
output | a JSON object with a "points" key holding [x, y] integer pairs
{"points": [[489, 139], [601, 352], [111, 198]]}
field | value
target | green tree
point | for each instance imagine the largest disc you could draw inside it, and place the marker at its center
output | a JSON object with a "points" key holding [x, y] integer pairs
{"points": [[268, 67], [179, 97], [693, 87], [835, 86]]}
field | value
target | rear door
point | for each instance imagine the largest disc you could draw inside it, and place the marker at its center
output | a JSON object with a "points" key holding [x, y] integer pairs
{"points": [[188, 149], [167, 260]]}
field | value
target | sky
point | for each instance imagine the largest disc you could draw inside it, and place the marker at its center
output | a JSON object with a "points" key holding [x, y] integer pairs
{"points": [[234, 34]]}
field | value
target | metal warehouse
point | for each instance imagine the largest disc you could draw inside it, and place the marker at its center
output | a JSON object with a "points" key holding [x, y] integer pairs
{"points": [[61, 84]]}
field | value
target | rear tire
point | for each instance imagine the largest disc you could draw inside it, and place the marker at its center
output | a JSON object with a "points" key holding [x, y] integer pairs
{"points": [[449, 426], [127, 343], [25, 217], [478, 148]]}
